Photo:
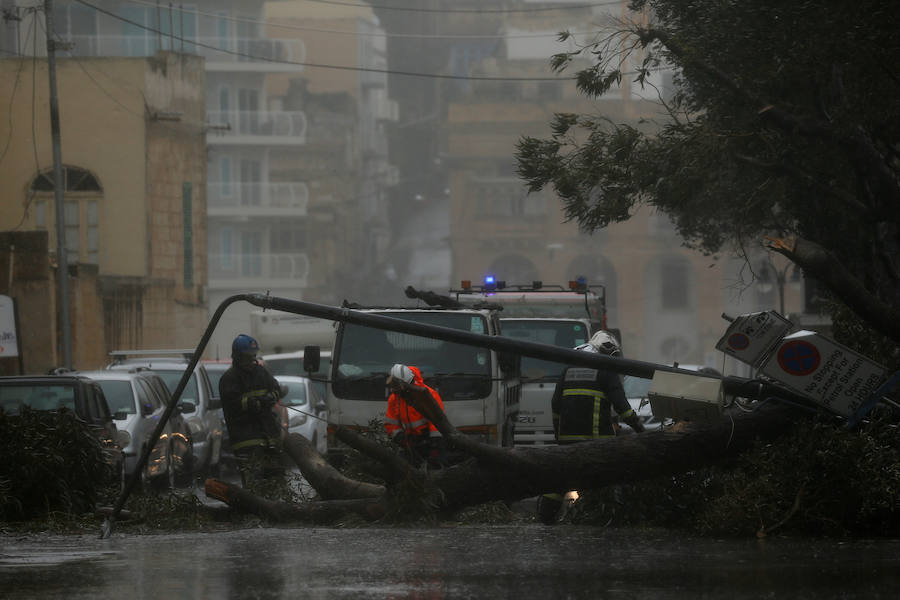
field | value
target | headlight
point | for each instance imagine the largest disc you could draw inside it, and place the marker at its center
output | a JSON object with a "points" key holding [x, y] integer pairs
{"points": [[123, 438], [296, 420]]}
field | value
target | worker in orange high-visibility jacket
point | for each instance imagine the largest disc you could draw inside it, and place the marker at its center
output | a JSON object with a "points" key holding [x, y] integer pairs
{"points": [[406, 426]]}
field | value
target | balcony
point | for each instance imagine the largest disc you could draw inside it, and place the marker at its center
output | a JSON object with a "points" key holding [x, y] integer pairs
{"points": [[222, 54], [230, 199], [258, 271], [239, 127], [251, 54]]}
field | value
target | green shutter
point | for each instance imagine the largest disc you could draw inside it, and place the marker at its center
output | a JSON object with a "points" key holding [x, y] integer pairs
{"points": [[187, 209]]}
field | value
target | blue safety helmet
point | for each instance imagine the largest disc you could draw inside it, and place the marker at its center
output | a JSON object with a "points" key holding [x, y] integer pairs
{"points": [[244, 344]]}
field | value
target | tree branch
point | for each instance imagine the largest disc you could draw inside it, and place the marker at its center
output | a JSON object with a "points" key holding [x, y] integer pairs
{"points": [[824, 266]]}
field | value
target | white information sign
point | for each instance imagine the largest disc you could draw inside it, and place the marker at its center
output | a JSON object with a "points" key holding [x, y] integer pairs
{"points": [[829, 373], [8, 342], [751, 337]]}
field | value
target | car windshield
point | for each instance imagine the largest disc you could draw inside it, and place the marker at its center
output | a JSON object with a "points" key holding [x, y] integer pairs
{"points": [[296, 395], [172, 377], [566, 334], [215, 374], [636, 387], [365, 355], [119, 396], [38, 397]]}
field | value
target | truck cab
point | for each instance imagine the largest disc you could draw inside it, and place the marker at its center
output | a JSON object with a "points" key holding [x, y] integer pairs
{"points": [[479, 387], [564, 316], [539, 377]]}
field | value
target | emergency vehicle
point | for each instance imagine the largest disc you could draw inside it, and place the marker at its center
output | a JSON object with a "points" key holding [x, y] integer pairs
{"points": [[546, 314], [479, 387]]}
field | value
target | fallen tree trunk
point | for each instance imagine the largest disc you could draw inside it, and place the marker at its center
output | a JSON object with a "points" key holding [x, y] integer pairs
{"points": [[513, 474], [328, 482], [326, 511]]}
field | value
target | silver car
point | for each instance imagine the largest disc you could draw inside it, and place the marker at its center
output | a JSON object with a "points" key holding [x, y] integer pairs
{"points": [[636, 391], [206, 421], [304, 410], [137, 400]]}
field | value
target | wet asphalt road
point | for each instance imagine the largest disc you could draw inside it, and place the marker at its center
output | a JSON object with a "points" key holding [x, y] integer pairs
{"points": [[524, 561]]}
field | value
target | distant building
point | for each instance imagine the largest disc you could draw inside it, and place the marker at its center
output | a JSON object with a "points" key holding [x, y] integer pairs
{"points": [[296, 157], [134, 171], [666, 300]]}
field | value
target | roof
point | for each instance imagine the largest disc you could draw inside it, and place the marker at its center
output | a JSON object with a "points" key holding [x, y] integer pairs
{"points": [[53, 379]]}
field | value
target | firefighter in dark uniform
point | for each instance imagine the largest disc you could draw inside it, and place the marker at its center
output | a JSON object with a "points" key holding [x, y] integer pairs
{"points": [[582, 407], [249, 394]]}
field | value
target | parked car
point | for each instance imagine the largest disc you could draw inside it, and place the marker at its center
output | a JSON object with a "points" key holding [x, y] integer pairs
{"points": [[215, 368], [637, 391], [306, 411], [291, 363], [79, 394], [205, 421], [137, 399]]}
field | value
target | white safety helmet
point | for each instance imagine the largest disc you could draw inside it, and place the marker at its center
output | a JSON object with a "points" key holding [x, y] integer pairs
{"points": [[402, 373], [602, 342]]}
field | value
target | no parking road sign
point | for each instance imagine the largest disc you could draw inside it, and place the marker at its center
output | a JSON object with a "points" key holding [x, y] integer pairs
{"points": [[750, 337], [827, 372]]}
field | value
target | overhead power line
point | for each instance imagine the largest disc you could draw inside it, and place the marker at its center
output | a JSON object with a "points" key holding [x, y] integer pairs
{"points": [[315, 65], [532, 9], [378, 34]]}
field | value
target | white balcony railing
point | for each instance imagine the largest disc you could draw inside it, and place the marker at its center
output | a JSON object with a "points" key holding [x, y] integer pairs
{"points": [[282, 267], [214, 49], [293, 196], [257, 123], [251, 50]]}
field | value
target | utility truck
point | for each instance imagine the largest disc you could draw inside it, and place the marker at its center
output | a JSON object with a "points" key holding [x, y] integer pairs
{"points": [[544, 314], [479, 387]]}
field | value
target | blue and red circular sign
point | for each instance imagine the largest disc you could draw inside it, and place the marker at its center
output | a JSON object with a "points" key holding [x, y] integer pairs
{"points": [[738, 341], [799, 358]]}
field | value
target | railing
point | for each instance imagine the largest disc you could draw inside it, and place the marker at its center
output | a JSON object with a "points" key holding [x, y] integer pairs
{"points": [[257, 267], [251, 49], [222, 194], [254, 122], [214, 49]]}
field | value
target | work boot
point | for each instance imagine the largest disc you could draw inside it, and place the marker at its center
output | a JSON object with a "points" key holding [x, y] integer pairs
{"points": [[549, 507]]}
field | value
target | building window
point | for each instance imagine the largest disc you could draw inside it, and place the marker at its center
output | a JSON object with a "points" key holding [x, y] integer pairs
{"points": [[508, 198], [227, 255], [675, 280], [81, 212]]}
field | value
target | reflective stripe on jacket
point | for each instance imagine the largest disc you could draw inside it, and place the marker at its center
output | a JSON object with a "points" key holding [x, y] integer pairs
{"points": [[581, 404]]}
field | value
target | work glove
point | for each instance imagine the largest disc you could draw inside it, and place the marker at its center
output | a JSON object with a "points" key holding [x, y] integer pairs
{"points": [[634, 422], [399, 439]]}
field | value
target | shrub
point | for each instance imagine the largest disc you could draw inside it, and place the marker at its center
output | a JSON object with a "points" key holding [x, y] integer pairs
{"points": [[51, 462]]}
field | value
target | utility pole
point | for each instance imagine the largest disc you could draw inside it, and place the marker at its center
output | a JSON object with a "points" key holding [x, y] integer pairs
{"points": [[62, 267]]}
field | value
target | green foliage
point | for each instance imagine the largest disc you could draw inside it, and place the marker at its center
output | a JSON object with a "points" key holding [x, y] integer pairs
{"points": [[782, 120], [51, 463], [821, 480]]}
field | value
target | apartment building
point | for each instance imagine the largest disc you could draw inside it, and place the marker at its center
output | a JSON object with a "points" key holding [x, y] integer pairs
{"points": [[133, 178]]}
